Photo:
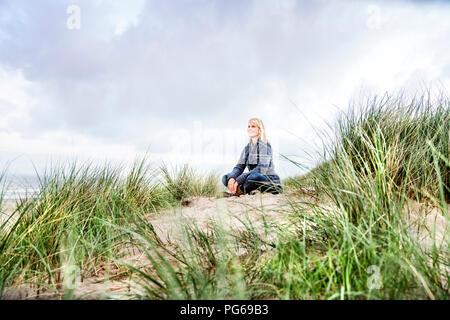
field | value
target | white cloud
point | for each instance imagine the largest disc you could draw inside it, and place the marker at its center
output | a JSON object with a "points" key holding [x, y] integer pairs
{"points": [[15, 99], [139, 72], [124, 15]]}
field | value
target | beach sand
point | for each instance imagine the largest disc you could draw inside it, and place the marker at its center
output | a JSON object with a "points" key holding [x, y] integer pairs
{"points": [[8, 207], [168, 226], [229, 212]]}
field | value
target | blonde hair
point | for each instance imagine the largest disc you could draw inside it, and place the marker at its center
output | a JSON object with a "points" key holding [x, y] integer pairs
{"points": [[260, 125]]}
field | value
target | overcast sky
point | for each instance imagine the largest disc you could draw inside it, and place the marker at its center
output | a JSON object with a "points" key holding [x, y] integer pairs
{"points": [[180, 79]]}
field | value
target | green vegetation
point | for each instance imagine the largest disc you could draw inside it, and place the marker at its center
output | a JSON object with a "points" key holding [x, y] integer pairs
{"points": [[184, 182], [75, 217], [357, 243], [350, 231]]}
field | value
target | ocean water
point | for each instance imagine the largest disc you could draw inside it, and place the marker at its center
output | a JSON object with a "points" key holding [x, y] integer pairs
{"points": [[19, 186]]}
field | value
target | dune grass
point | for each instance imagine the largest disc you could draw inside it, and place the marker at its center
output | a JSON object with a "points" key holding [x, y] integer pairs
{"points": [[354, 239], [385, 158], [184, 182], [321, 255], [71, 222], [396, 140]]}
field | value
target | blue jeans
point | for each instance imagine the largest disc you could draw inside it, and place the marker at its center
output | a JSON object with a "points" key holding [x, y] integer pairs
{"points": [[254, 181]]}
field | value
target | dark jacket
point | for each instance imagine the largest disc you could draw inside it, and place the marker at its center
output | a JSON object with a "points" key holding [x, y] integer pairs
{"points": [[257, 158]]}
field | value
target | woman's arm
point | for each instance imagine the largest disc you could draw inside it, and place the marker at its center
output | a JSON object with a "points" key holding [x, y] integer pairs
{"points": [[240, 166], [265, 159]]}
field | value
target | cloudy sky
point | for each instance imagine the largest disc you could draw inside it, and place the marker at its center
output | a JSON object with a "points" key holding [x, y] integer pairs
{"points": [[178, 80]]}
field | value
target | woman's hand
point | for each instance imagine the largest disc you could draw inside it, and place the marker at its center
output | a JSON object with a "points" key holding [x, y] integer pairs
{"points": [[232, 185], [235, 186]]}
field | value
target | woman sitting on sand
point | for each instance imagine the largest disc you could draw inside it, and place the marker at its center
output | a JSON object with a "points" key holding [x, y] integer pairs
{"points": [[257, 156]]}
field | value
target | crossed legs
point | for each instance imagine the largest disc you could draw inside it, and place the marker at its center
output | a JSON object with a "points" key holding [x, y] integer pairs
{"points": [[255, 181]]}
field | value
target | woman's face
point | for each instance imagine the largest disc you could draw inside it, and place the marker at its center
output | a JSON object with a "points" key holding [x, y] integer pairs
{"points": [[253, 130]]}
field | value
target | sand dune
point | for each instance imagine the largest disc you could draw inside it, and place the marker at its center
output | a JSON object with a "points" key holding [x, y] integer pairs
{"points": [[203, 210]]}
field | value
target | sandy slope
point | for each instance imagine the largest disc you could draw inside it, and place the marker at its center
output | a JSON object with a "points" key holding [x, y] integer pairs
{"points": [[231, 211], [167, 226], [7, 209], [228, 211]]}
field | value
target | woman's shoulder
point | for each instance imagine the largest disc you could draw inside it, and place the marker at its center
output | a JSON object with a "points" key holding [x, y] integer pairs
{"points": [[265, 143]]}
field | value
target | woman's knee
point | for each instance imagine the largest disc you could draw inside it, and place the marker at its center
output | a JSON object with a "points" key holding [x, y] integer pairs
{"points": [[256, 176], [225, 180]]}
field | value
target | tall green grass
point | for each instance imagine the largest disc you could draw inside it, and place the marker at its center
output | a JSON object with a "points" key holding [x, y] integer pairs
{"points": [[70, 222], [354, 239], [201, 265], [387, 154], [73, 200], [390, 136], [183, 182], [387, 157], [320, 255]]}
